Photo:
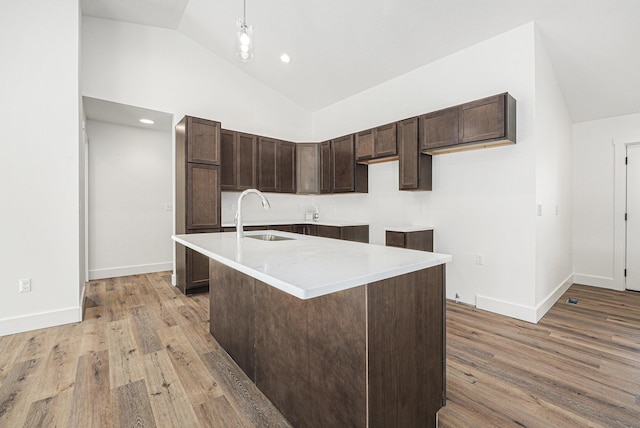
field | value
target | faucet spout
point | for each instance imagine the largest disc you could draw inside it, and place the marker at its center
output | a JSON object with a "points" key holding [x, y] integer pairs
{"points": [[265, 204]]}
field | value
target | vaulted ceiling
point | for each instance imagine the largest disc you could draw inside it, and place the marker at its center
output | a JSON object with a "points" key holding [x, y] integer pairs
{"points": [[342, 47]]}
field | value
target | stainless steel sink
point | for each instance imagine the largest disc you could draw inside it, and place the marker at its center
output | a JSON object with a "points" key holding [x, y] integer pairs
{"points": [[269, 237]]}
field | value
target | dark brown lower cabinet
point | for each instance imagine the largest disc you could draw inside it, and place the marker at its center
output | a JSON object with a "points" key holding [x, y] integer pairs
{"points": [[192, 268], [358, 233], [413, 240], [320, 361]]}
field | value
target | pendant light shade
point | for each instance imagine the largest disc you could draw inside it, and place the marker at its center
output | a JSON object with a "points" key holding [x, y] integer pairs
{"points": [[244, 38]]}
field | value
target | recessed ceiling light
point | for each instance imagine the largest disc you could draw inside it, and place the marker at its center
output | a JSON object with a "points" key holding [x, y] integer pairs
{"points": [[147, 121], [285, 58]]}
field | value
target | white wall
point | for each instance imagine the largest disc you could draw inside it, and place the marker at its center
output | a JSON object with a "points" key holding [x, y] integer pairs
{"points": [[596, 242], [130, 184], [483, 201], [554, 265], [40, 192], [164, 70]]}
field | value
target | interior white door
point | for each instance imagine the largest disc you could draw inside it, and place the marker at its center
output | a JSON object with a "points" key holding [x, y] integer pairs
{"points": [[633, 218]]}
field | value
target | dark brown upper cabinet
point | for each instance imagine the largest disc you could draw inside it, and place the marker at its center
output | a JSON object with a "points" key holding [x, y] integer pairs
{"points": [[246, 161], [267, 164], [239, 152], [415, 168], [377, 144], [488, 122], [439, 128], [326, 167], [228, 159], [286, 167], [488, 119], [276, 165], [203, 140], [308, 168], [347, 175]]}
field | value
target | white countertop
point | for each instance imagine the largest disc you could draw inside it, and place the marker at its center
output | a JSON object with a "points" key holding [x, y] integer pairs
{"points": [[336, 223], [309, 266], [408, 228]]}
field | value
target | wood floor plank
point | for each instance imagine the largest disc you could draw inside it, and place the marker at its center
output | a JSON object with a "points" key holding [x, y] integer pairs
{"points": [[125, 359], [58, 369], [199, 385], [242, 394], [218, 413], [169, 401], [134, 408], [145, 331], [14, 398], [91, 403]]}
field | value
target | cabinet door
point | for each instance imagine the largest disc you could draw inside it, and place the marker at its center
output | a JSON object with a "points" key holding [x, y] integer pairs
{"points": [[343, 161], [328, 231], [203, 196], [439, 129], [267, 148], [355, 233], [482, 119], [246, 161], [227, 160], [385, 141], [365, 141], [408, 153], [203, 141], [308, 168], [325, 167], [197, 271], [395, 239], [286, 167]]}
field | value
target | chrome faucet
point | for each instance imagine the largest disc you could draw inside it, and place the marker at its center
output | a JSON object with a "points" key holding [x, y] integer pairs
{"points": [[265, 204]]}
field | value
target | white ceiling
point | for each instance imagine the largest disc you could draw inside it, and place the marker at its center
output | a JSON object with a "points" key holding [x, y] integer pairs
{"points": [[342, 47], [122, 114]]}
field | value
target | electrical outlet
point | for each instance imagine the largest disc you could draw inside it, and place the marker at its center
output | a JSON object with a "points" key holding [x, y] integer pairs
{"points": [[539, 209], [457, 297], [480, 259], [24, 285], [168, 206]]}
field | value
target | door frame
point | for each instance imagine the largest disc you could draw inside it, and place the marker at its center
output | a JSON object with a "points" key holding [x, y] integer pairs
{"points": [[620, 208]]}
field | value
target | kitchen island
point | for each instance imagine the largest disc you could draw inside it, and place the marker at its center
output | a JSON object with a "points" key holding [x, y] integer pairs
{"points": [[334, 333]]}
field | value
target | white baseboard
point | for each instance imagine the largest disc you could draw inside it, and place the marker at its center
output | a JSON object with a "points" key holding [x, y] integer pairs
{"points": [[40, 320], [129, 270], [510, 309], [596, 281], [546, 303]]}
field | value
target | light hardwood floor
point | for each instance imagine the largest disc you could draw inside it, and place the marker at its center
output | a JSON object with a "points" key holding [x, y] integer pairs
{"points": [[144, 357]]}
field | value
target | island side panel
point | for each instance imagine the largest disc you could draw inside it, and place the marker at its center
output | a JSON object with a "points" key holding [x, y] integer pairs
{"points": [[232, 314], [406, 349], [282, 353], [337, 359]]}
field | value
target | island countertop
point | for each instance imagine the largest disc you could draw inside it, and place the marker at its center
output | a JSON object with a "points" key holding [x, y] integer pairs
{"points": [[308, 266]]}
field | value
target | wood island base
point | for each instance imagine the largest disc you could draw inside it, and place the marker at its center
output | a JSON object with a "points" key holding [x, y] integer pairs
{"points": [[370, 356]]}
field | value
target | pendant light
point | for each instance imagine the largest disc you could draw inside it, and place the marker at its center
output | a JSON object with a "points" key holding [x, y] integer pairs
{"points": [[244, 37]]}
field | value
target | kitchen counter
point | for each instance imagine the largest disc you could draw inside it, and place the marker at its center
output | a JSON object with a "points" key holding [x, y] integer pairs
{"points": [[308, 266], [334, 223], [406, 228]]}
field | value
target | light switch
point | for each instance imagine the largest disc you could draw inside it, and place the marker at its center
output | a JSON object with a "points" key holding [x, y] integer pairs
{"points": [[539, 210]]}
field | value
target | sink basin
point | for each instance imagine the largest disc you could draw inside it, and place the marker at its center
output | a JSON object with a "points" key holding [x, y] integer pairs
{"points": [[269, 237]]}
